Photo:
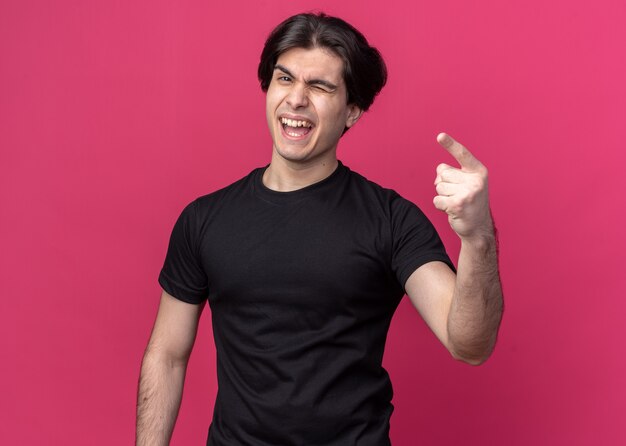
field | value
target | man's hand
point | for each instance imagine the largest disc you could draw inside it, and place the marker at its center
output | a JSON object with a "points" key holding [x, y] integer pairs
{"points": [[463, 193]]}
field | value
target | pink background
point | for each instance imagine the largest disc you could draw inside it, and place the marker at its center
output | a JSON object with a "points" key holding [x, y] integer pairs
{"points": [[114, 115]]}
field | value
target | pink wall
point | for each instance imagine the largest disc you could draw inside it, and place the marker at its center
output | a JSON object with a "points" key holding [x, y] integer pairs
{"points": [[114, 115]]}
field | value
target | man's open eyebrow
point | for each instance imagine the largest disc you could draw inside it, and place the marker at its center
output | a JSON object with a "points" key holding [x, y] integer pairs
{"points": [[327, 84]]}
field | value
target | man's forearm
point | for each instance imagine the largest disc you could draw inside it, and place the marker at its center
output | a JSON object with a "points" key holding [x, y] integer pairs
{"points": [[477, 304], [158, 400]]}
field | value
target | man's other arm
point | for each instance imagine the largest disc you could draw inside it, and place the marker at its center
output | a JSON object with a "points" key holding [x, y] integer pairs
{"points": [[464, 311], [163, 370]]}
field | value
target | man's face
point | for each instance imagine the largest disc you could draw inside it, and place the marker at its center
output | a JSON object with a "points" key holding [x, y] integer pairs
{"points": [[306, 105]]}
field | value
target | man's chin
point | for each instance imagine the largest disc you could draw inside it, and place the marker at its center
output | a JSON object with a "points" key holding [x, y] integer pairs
{"points": [[304, 158], [292, 155]]}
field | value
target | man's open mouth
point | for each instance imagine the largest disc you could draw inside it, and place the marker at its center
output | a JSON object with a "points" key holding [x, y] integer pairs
{"points": [[296, 128]]}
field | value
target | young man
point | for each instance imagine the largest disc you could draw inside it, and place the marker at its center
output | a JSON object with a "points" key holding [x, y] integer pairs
{"points": [[304, 263]]}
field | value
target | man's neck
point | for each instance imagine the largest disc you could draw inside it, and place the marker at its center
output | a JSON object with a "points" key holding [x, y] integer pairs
{"points": [[286, 176]]}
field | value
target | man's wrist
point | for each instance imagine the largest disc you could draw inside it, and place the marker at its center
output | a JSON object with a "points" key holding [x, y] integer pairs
{"points": [[483, 240]]}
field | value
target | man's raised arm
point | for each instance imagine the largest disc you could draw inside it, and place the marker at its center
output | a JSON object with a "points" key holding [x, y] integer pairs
{"points": [[163, 370], [464, 311]]}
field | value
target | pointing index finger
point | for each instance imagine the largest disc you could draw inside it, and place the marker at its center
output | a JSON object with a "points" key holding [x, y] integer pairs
{"points": [[458, 151]]}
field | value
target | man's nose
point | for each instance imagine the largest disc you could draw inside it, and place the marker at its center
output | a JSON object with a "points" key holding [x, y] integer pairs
{"points": [[297, 97]]}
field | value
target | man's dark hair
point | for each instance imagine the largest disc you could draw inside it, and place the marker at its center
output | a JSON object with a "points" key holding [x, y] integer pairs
{"points": [[364, 70]]}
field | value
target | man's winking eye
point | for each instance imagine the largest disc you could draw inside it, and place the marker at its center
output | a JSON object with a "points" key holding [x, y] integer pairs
{"points": [[319, 84]]}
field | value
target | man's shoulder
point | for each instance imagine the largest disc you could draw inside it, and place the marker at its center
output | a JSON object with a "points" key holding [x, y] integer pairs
{"points": [[239, 186], [205, 205], [373, 189], [383, 199]]}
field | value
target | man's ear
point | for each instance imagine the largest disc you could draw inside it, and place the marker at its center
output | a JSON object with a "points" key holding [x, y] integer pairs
{"points": [[354, 113]]}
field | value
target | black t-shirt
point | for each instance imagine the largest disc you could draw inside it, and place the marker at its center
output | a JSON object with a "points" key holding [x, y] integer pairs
{"points": [[302, 287]]}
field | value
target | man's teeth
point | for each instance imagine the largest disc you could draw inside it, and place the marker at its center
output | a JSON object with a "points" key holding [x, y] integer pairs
{"points": [[295, 123]]}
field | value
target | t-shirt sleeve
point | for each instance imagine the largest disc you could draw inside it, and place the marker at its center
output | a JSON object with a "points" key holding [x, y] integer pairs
{"points": [[182, 275], [415, 240]]}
